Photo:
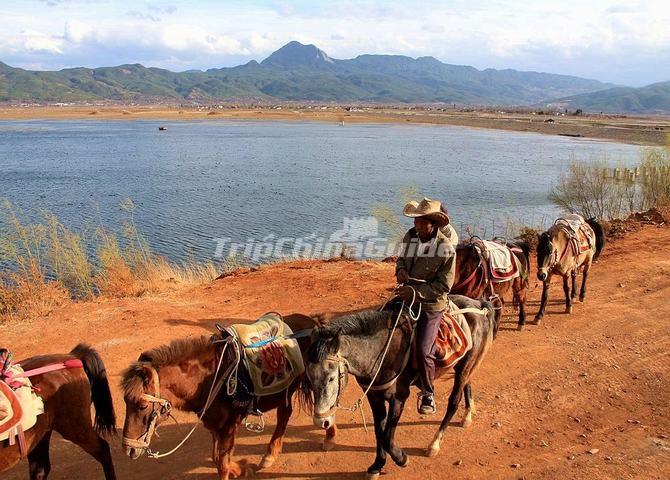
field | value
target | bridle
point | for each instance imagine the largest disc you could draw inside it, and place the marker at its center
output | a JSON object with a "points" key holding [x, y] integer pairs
{"points": [[160, 408], [342, 381]]}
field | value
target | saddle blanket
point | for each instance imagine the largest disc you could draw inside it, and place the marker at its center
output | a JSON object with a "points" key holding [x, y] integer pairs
{"points": [[454, 338], [503, 264], [273, 361], [19, 406], [581, 235]]}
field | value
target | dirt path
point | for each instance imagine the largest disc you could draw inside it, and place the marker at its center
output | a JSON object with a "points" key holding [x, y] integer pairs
{"points": [[545, 397]]}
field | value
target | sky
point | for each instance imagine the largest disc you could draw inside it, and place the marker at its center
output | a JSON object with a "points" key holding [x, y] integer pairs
{"points": [[626, 42]]}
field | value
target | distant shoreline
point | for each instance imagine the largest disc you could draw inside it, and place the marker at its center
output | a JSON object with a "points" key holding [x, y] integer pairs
{"points": [[636, 130]]}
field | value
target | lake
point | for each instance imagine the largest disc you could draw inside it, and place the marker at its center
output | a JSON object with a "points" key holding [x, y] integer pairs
{"points": [[241, 180]]}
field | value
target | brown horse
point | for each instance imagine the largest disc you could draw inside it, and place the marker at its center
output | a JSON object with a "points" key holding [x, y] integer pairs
{"points": [[67, 396], [473, 278], [556, 255], [181, 374]]}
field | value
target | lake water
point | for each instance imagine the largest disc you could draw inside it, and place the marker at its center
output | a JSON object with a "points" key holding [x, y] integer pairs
{"points": [[199, 181]]}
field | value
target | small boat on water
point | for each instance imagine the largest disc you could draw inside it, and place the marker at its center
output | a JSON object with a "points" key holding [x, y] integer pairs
{"points": [[162, 129]]}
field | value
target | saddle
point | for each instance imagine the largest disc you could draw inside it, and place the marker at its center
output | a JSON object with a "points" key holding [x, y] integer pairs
{"points": [[19, 405], [271, 360], [502, 264], [580, 236]]}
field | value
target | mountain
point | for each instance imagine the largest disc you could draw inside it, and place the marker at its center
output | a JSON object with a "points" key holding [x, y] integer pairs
{"points": [[300, 73], [654, 98]]}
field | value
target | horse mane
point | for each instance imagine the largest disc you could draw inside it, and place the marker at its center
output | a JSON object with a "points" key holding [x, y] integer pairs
{"points": [[327, 338], [543, 247], [133, 378]]}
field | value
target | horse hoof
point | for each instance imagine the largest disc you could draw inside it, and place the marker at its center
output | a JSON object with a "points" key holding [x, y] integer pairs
{"points": [[537, 320], [372, 476], [568, 310], [432, 451], [404, 462], [266, 462], [328, 445], [520, 327], [466, 422], [582, 299]]}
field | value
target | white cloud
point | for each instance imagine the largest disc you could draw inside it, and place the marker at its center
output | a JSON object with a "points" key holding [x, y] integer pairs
{"points": [[542, 35]]}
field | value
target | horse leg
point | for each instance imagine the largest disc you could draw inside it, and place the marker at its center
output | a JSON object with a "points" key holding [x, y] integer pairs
{"points": [[573, 295], [566, 290], [585, 273], [224, 442], [469, 405], [543, 302], [284, 411], [38, 459], [520, 300], [396, 407], [329, 441], [452, 407], [95, 446], [378, 406]]}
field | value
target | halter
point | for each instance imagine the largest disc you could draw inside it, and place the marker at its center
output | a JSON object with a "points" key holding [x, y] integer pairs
{"points": [[160, 407], [342, 382]]}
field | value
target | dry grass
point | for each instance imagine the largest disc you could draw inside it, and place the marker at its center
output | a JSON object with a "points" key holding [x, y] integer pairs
{"points": [[45, 264]]}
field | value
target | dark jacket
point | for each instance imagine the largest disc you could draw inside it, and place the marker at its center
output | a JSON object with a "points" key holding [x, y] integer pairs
{"points": [[436, 266]]}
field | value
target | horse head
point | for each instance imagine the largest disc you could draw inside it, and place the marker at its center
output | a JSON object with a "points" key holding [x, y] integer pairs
{"points": [[145, 409], [547, 255], [327, 373]]}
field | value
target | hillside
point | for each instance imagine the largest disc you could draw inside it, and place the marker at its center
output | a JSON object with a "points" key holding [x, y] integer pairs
{"points": [[298, 72], [654, 98]]}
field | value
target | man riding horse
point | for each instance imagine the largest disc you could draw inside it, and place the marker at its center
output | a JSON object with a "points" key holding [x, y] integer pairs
{"points": [[425, 270]]}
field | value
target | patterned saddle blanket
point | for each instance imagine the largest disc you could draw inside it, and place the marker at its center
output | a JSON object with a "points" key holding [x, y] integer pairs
{"points": [[19, 405], [454, 339], [272, 359]]}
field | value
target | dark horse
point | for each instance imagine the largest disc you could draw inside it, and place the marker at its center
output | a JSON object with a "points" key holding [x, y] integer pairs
{"points": [[181, 375], [67, 396], [473, 278], [556, 256], [355, 344]]}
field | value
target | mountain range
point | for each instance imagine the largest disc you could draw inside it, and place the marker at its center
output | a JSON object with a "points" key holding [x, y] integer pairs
{"points": [[298, 72]]}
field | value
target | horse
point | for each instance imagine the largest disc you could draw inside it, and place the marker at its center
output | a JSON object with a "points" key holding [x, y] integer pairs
{"points": [[473, 279], [67, 395], [555, 256], [362, 343], [182, 374]]}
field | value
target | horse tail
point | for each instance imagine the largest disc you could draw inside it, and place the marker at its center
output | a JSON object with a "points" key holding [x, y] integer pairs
{"points": [[491, 316], [105, 418], [600, 236], [525, 248], [305, 395]]}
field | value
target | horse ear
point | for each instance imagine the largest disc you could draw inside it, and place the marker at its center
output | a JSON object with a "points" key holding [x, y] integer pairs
{"points": [[148, 376]]}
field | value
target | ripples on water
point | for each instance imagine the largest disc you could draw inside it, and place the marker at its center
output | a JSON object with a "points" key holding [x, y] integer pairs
{"points": [[203, 180]]}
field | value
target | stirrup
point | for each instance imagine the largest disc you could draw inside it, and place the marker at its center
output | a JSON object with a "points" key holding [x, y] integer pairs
{"points": [[254, 427]]}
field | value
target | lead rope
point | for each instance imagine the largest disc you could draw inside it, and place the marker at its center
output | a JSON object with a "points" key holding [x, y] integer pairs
{"points": [[210, 396], [359, 402]]}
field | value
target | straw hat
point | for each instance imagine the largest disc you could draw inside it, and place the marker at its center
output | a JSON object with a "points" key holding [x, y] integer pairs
{"points": [[427, 208]]}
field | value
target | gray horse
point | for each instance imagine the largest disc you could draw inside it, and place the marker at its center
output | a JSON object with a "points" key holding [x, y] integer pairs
{"points": [[356, 344]]}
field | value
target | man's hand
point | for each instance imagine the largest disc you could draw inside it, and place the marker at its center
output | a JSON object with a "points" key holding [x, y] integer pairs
{"points": [[406, 293], [402, 276]]}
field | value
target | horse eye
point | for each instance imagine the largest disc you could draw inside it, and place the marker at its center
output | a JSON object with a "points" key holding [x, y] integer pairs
{"points": [[331, 379]]}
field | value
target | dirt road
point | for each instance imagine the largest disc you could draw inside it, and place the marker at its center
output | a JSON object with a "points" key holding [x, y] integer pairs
{"points": [[596, 381]]}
